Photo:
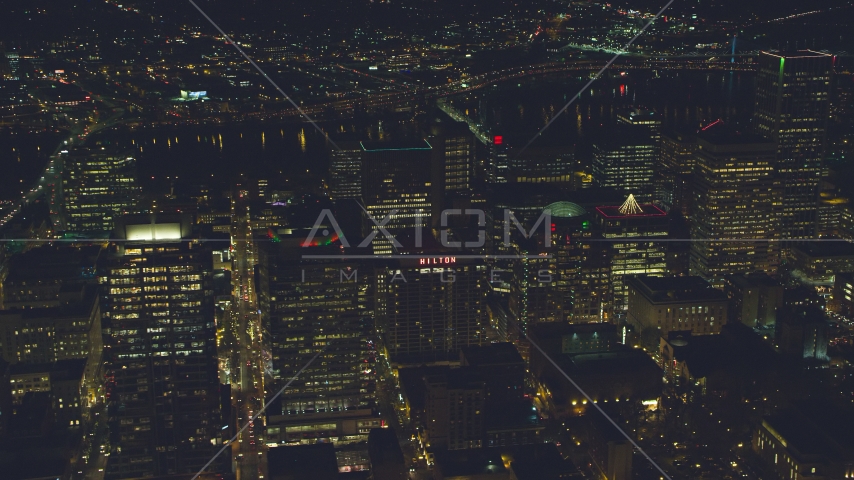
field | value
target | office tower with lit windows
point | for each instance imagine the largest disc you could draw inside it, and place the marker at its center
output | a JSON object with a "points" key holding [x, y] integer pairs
{"points": [[625, 160], [314, 300], [541, 165], [345, 170], [648, 119], [674, 169], [498, 168], [635, 232], [565, 277], [736, 196], [396, 182], [164, 403], [429, 307], [98, 185], [453, 147], [792, 109], [455, 408]]}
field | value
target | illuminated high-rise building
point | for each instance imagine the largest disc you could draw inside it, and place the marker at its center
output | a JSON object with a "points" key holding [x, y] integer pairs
{"points": [[164, 403], [635, 232], [431, 306], [345, 171], [649, 119], [736, 196], [314, 299], [453, 144], [541, 165], [674, 170], [396, 182], [564, 279], [792, 109], [498, 167], [98, 185], [625, 160]]}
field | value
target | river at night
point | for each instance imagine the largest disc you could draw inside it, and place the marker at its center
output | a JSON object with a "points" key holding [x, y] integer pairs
{"points": [[222, 152]]}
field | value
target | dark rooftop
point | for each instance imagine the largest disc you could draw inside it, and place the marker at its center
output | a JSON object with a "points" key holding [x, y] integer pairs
{"points": [[384, 447], [479, 461], [542, 461], [397, 145], [71, 369], [826, 249], [53, 262], [674, 289], [493, 354], [303, 462]]}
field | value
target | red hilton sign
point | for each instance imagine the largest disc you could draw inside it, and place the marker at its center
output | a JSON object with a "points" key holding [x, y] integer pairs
{"points": [[437, 260]]}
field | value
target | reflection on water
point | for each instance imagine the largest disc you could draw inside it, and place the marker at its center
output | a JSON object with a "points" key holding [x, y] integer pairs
{"points": [[690, 98]]}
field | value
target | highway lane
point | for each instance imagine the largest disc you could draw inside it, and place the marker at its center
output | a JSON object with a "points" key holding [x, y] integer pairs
{"points": [[249, 451]]}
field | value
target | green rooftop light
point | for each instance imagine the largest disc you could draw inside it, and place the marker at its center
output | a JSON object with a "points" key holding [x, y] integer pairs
{"points": [[565, 210]]}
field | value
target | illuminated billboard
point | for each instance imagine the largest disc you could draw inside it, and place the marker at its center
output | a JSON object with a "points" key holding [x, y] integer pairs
{"points": [[149, 232], [193, 95]]}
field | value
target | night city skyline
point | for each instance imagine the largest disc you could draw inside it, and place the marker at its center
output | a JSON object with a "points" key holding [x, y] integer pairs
{"points": [[424, 239]]}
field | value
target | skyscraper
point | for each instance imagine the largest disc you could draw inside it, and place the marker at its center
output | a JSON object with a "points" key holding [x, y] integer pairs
{"points": [[98, 185], [792, 109], [313, 305], [673, 173], [635, 231], [453, 145], [625, 160], [429, 307], [160, 350], [396, 182], [736, 197], [345, 171]]}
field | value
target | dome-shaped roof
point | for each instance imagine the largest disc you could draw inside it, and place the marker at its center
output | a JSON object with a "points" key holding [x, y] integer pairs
{"points": [[565, 209]]}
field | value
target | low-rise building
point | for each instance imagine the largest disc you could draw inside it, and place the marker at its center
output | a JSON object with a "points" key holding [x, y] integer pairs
{"points": [[665, 304]]}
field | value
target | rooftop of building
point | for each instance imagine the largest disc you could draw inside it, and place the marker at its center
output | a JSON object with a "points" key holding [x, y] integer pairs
{"points": [[631, 209], [622, 135], [458, 378], [755, 279], [614, 361], [513, 416], [802, 314], [675, 289], [502, 353], [565, 209], [836, 248], [478, 462], [542, 461], [317, 461], [412, 383], [561, 328], [384, 447], [398, 145], [77, 301], [71, 369], [48, 262], [738, 350], [719, 136]]}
